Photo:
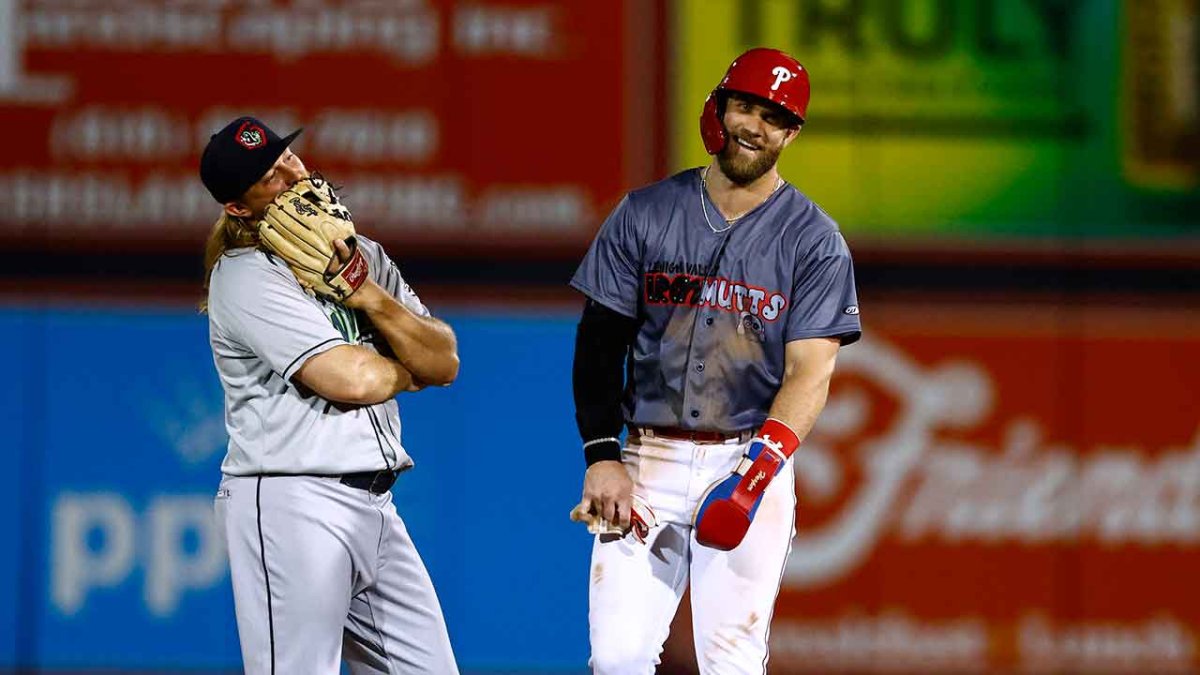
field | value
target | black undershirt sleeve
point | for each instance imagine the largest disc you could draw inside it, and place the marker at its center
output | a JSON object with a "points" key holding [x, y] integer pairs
{"points": [[602, 343]]}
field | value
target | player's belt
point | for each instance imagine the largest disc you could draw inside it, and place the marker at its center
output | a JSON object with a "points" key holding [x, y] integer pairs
{"points": [[693, 435], [375, 482]]}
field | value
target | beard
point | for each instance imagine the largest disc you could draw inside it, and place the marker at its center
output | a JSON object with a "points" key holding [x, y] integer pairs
{"points": [[743, 170]]}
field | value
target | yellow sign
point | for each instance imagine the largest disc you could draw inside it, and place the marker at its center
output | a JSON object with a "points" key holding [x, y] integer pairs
{"points": [[927, 117], [1161, 92]]}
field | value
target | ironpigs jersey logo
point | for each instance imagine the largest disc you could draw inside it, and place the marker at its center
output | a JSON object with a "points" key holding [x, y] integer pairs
{"points": [[251, 136], [727, 295]]}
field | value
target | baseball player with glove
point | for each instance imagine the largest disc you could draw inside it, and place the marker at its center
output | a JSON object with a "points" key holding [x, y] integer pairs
{"points": [[314, 332], [716, 302]]}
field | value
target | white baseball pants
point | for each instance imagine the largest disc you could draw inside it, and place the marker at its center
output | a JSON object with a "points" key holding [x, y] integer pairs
{"points": [[635, 589]]}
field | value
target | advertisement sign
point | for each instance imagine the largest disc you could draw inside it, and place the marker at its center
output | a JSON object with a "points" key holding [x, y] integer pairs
{"points": [[961, 121], [1000, 490], [448, 124], [1161, 104], [21, 428], [115, 433], [989, 489], [125, 561]]}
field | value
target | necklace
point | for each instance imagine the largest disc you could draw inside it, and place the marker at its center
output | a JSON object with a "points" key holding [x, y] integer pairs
{"points": [[729, 222]]}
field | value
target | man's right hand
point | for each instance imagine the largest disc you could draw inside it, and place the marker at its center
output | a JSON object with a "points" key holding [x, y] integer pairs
{"points": [[608, 492], [368, 294]]}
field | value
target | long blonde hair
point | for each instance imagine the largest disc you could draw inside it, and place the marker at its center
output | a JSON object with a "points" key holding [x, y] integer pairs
{"points": [[228, 232]]}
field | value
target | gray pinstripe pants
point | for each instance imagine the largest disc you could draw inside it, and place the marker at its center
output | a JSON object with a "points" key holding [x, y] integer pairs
{"points": [[324, 572]]}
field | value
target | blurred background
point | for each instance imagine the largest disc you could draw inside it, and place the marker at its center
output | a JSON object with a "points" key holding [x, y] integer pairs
{"points": [[1006, 477]]}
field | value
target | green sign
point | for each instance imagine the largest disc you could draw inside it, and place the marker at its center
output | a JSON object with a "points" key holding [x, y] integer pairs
{"points": [[974, 118]]}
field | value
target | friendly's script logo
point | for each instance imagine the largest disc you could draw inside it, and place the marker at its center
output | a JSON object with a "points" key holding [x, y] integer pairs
{"points": [[918, 480]]}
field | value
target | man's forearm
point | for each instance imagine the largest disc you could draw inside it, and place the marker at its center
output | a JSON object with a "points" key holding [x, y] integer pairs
{"points": [[728, 507], [425, 346], [355, 374], [802, 396], [382, 378], [799, 402], [400, 378]]}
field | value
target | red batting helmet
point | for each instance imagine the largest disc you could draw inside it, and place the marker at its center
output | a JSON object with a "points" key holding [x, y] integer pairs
{"points": [[766, 73]]}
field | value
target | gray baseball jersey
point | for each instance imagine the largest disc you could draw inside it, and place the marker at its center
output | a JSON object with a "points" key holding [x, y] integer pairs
{"points": [[717, 308], [262, 328]]}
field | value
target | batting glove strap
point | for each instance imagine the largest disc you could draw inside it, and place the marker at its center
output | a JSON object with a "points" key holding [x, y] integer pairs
{"points": [[776, 437]]}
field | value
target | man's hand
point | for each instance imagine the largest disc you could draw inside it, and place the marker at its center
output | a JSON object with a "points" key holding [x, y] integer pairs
{"points": [[368, 293], [422, 344], [641, 520], [608, 492], [341, 256]]}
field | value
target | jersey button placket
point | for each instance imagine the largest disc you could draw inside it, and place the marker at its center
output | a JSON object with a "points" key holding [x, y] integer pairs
{"points": [[699, 349]]}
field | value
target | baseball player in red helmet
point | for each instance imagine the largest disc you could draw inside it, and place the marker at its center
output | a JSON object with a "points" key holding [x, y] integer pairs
{"points": [[716, 302]]}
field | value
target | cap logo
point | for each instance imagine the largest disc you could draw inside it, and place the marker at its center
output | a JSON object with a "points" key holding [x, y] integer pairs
{"points": [[251, 136], [781, 75]]}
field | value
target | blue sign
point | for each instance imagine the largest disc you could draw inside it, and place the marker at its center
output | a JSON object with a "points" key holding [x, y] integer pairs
{"points": [[118, 433]]}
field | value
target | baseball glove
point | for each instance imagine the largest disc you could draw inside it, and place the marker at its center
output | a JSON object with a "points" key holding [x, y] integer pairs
{"points": [[300, 226]]}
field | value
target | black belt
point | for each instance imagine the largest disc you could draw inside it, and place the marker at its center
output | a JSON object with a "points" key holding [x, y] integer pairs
{"points": [[375, 482]]}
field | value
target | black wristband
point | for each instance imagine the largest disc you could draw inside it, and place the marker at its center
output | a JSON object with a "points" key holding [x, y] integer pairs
{"points": [[601, 449]]}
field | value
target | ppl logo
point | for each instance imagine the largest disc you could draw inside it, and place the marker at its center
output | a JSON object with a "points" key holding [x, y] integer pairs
{"points": [[251, 136], [167, 544], [172, 547]]}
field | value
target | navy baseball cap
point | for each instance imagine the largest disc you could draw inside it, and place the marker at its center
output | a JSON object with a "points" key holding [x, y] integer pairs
{"points": [[237, 156]]}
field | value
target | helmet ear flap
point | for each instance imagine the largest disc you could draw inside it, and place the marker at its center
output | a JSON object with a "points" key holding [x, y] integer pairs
{"points": [[712, 129]]}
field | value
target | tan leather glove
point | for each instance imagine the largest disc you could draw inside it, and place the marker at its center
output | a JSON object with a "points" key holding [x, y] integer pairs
{"points": [[300, 226]]}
